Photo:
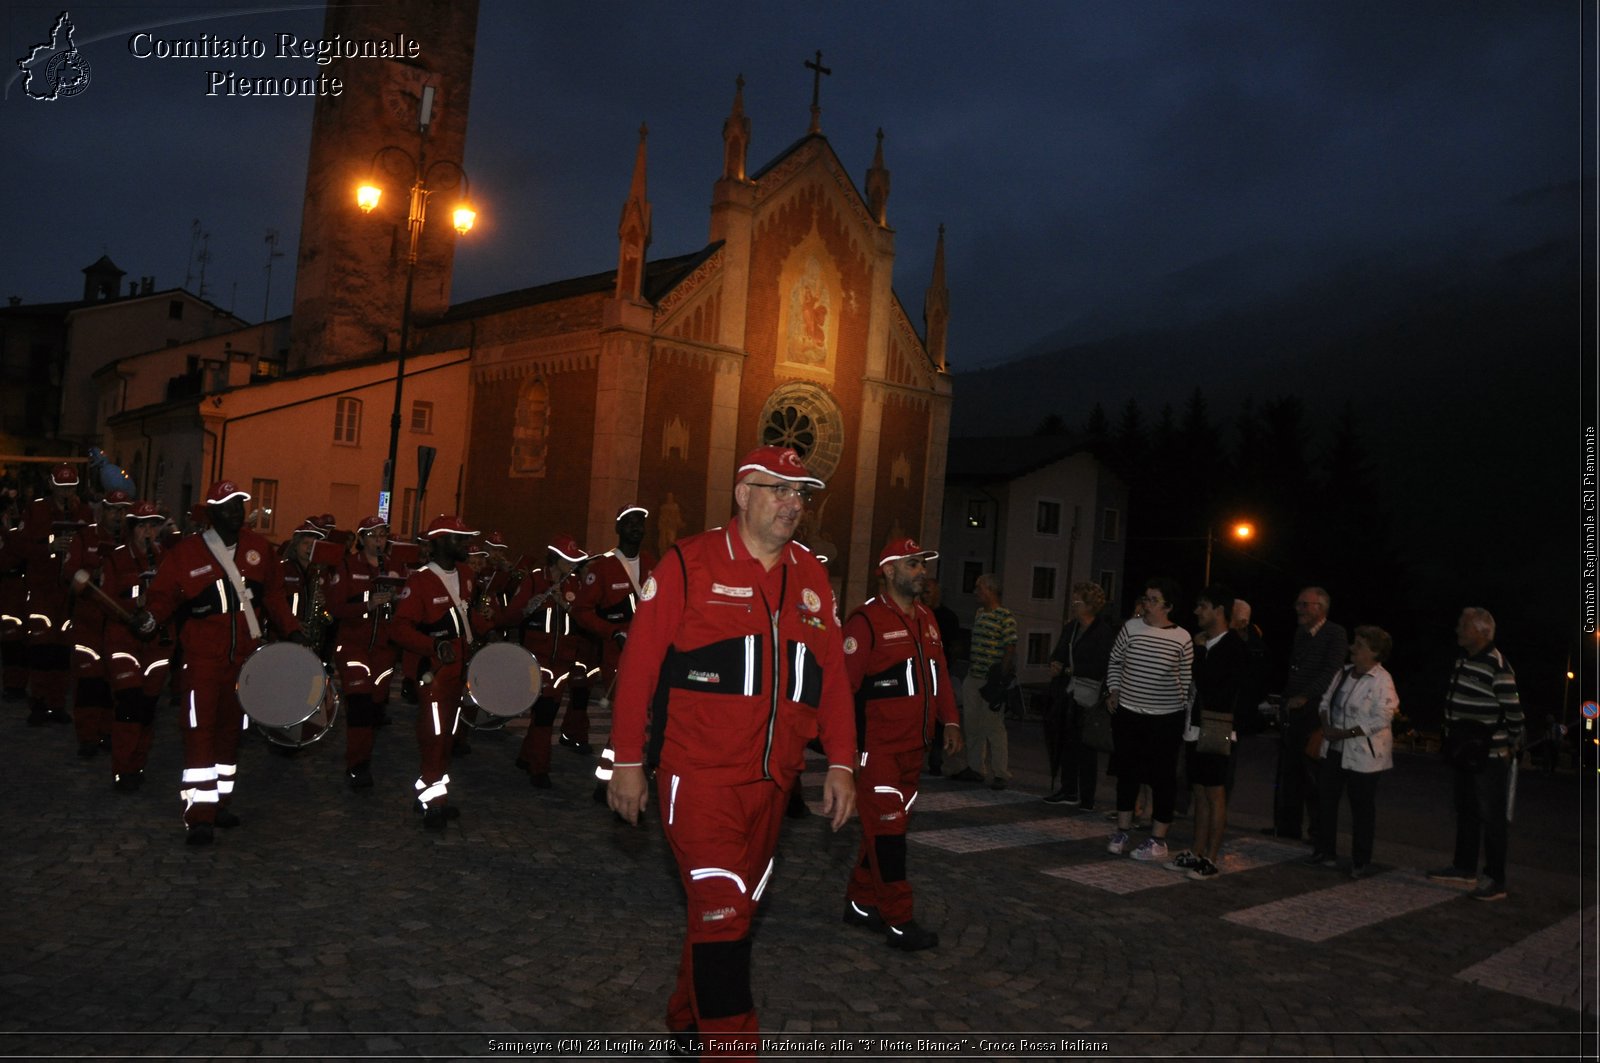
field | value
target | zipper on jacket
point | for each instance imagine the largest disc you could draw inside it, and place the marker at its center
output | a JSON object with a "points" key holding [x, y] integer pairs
{"points": [[777, 677]]}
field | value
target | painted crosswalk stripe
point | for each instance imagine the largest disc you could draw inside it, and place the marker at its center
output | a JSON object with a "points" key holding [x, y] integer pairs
{"points": [[1126, 875], [1010, 835], [949, 800], [1543, 966], [1327, 913]]}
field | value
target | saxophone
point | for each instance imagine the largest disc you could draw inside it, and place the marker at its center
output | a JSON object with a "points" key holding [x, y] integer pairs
{"points": [[315, 619]]}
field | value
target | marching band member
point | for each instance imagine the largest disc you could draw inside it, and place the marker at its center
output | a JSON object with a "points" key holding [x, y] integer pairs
{"points": [[217, 581], [607, 600], [433, 620], [13, 601], [46, 533], [895, 660], [300, 580], [91, 695], [138, 668], [542, 606], [361, 596]]}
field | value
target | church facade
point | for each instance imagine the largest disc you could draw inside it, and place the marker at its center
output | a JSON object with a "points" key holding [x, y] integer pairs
{"points": [[646, 384]]}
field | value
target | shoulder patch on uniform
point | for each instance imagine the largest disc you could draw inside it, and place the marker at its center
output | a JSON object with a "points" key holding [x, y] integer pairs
{"points": [[648, 591], [850, 644], [252, 557]]}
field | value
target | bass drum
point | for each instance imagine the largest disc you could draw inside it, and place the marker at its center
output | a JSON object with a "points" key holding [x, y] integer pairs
{"points": [[285, 691], [503, 682]]}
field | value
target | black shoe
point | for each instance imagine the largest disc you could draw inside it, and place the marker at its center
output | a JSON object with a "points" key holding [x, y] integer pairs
{"points": [[998, 784], [60, 716], [447, 811], [38, 717], [685, 1043], [1321, 859], [540, 780], [583, 749], [88, 749], [434, 818], [226, 819], [864, 915], [105, 743], [909, 937], [522, 763], [359, 777], [127, 783], [967, 775], [198, 834]]}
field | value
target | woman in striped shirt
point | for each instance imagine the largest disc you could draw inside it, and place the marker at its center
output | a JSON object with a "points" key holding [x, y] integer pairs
{"points": [[1148, 685]]}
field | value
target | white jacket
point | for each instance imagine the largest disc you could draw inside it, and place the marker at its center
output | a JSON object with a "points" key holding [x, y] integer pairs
{"points": [[1370, 703]]}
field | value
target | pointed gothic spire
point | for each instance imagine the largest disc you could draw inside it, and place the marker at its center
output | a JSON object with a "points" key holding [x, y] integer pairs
{"points": [[936, 308], [633, 231], [735, 136], [878, 186]]}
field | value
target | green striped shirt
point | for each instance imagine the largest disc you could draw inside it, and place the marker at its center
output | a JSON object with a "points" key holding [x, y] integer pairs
{"points": [[1483, 689], [993, 630]]}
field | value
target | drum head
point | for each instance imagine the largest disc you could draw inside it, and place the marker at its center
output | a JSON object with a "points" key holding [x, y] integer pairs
{"points": [[282, 684], [503, 679]]}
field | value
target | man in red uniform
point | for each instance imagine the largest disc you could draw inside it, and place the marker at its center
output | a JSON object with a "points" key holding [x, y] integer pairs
{"points": [[895, 659], [91, 694], [607, 600], [361, 595], [215, 582], [433, 620], [300, 578], [48, 526], [13, 601], [542, 606], [736, 659], [138, 668]]}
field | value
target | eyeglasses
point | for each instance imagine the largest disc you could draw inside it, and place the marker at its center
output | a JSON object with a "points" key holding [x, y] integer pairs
{"points": [[1153, 599], [784, 492]]}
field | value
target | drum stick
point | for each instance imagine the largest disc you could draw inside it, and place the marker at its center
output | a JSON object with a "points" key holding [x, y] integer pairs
{"points": [[81, 581]]}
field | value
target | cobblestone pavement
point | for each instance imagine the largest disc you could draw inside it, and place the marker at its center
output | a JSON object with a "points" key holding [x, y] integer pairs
{"points": [[330, 924]]}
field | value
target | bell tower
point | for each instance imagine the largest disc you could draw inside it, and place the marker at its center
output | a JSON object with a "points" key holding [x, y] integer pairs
{"points": [[350, 274]]}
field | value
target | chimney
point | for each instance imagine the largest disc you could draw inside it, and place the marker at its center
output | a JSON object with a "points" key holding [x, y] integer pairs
{"points": [[147, 285]]}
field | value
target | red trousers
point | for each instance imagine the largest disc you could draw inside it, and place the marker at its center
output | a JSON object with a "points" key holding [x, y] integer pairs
{"points": [[723, 838], [438, 716], [885, 787], [138, 672], [212, 722]]}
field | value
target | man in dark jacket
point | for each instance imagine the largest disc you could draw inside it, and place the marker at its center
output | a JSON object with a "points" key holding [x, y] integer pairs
{"points": [[1317, 653]]}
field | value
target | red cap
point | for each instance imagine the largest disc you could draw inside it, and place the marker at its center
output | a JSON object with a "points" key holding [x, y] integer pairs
{"points": [[144, 511], [369, 524], [632, 507], [117, 498], [225, 491], [326, 521], [448, 524], [308, 528], [900, 549], [568, 548], [495, 539], [781, 462], [64, 475]]}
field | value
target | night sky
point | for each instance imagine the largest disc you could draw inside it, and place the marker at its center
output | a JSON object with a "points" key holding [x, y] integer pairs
{"points": [[1076, 152]]}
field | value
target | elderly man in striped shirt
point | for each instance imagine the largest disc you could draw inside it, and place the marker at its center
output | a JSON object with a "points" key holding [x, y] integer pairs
{"points": [[1483, 736]]}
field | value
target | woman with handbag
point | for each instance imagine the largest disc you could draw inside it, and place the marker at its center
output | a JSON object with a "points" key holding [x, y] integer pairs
{"points": [[1081, 726], [1357, 744], [1221, 674]]}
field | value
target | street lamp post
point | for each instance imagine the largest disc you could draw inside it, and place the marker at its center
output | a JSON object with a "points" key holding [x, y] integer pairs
{"points": [[1240, 531], [396, 160]]}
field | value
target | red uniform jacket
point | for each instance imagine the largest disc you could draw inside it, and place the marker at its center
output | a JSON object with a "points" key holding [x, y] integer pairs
{"points": [[190, 586], [897, 668], [126, 576], [548, 633], [607, 600], [426, 614], [363, 626], [47, 593], [736, 666], [88, 552]]}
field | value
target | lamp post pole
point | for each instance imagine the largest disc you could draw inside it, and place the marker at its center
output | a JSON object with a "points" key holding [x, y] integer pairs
{"points": [[417, 213]]}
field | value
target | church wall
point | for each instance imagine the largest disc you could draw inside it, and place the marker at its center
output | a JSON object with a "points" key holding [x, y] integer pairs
{"points": [[676, 445], [804, 258], [901, 472]]}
